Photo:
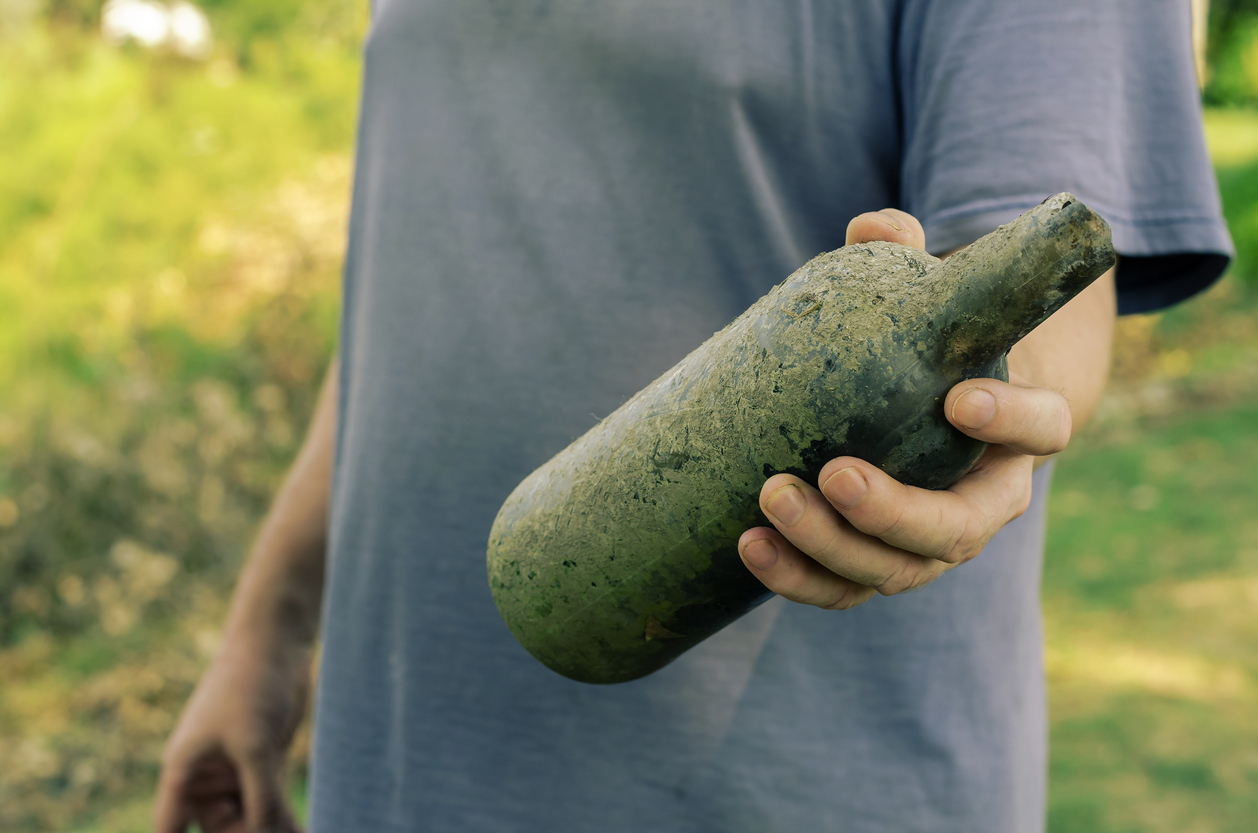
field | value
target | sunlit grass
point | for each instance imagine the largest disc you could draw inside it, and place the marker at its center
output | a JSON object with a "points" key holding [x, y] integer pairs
{"points": [[1151, 602]]}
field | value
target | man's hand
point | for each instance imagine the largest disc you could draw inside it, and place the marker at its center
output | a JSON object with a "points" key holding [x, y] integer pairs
{"points": [[224, 765], [859, 532]]}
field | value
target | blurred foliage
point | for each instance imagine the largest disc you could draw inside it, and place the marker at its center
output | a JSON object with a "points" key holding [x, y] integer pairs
{"points": [[1232, 89], [170, 243], [245, 31], [1235, 139], [169, 255], [170, 246], [1232, 54]]}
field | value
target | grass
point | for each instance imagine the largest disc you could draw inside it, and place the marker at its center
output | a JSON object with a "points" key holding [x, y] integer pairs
{"points": [[1164, 504], [1150, 591], [169, 255]]}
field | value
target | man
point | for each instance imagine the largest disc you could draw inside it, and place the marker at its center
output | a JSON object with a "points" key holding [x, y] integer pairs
{"points": [[554, 202]]}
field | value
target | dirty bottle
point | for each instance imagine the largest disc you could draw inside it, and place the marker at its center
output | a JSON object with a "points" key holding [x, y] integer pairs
{"points": [[619, 554]]}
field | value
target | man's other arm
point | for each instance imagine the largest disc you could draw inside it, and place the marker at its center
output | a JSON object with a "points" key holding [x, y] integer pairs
{"points": [[223, 766]]}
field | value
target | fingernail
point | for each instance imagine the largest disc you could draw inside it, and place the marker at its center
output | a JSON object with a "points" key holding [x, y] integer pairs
{"points": [[890, 220], [846, 487], [974, 408], [787, 505], [761, 554]]}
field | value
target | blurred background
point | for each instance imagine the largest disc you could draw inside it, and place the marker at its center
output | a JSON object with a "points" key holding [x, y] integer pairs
{"points": [[173, 196]]}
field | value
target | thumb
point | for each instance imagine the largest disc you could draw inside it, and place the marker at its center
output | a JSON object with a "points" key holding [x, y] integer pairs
{"points": [[889, 225]]}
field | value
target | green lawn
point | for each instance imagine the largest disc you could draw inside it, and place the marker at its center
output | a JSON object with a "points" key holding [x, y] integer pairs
{"points": [[1151, 598]]}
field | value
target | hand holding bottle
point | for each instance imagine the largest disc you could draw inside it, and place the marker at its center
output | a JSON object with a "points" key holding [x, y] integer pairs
{"points": [[857, 531]]}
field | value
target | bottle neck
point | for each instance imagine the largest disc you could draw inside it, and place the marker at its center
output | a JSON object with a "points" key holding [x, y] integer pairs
{"points": [[1005, 284]]}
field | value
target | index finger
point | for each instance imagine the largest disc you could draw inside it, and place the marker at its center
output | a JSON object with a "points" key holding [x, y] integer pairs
{"points": [[950, 525]]}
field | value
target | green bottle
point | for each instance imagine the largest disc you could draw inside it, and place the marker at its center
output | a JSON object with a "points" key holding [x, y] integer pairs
{"points": [[619, 554]]}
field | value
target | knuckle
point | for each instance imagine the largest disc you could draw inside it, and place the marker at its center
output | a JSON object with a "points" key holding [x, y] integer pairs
{"points": [[805, 593], [1054, 439], [946, 537], [790, 582], [890, 526], [902, 578], [967, 553], [830, 552], [952, 550], [255, 751], [1061, 437], [969, 540], [913, 575], [932, 572], [849, 596]]}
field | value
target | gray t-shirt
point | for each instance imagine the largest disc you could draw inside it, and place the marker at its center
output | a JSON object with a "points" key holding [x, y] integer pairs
{"points": [[557, 200]]}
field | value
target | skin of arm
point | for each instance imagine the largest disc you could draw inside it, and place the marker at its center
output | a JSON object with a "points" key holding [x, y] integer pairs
{"points": [[859, 532], [281, 586], [223, 767]]}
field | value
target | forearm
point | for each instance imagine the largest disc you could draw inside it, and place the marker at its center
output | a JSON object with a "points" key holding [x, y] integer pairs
{"points": [[280, 589], [1070, 352]]}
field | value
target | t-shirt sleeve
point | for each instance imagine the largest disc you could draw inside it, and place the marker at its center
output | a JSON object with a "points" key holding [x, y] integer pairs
{"points": [[1008, 101]]}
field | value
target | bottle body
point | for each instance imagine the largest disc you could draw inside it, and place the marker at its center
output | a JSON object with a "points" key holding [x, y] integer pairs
{"points": [[620, 553]]}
